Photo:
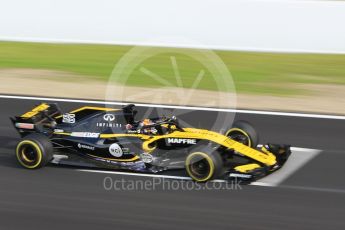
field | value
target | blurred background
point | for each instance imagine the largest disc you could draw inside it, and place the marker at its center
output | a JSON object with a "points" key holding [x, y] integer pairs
{"points": [[283, 54]]}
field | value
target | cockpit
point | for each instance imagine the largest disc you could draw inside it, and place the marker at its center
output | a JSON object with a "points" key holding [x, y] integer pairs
{"points": [[149, 126]]}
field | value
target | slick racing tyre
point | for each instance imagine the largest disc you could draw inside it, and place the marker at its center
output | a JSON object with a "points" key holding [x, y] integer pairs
{"points": [[203, 166], [34, 151], [244, 133]]}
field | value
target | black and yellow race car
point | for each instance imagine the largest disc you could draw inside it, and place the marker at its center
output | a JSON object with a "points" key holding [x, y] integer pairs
{"points": [[113, 139]]}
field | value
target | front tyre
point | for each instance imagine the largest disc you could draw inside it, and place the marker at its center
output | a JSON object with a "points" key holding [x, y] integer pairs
{"points": [[243, 132], [34, 151], [204, 166]]}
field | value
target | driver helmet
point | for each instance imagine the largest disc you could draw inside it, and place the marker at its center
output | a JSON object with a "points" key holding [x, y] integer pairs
{"points": [[147, 122]]}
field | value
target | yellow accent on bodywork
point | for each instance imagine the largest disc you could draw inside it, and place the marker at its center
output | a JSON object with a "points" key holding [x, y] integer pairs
{"points": [[247, 167], [147, 148], [35, 110], [143, 137], [93, 108], [191, 133], [263, 149], [172, 127], [61, 133]]}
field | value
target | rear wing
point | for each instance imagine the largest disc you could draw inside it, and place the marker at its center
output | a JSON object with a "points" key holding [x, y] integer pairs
{"points": [[40, 119]]}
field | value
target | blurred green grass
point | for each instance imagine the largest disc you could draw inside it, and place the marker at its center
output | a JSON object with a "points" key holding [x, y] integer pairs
{"points": [[252, 72]]}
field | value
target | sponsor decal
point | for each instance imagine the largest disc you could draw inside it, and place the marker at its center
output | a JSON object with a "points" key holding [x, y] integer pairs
{"points": [[109, 125], [58, 130], [115, 150], [240, 175], [125, 150], [24, 126], [150, 130], [181, 141], [133, 131], [85, 134], [68, 118], [146, 157], [82, 146], [109, 117]]}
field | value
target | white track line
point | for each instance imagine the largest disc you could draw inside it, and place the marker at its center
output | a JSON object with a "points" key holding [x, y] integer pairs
{"points": [[296, 161], [307, 115], [342, 191]]}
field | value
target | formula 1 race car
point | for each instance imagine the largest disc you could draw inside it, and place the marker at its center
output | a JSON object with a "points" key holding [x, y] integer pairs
{"points": [[113, 139]]}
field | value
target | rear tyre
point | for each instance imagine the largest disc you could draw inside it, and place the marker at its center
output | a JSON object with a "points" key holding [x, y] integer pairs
{"points": [[34, 151], [203, 166], [243, 132]]}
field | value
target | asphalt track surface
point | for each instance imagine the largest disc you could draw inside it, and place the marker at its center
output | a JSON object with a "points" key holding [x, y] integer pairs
{"points": [[313, 197]]}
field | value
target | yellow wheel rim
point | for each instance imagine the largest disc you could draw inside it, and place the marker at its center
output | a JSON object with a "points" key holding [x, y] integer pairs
{"points": [[23, 159], [209, 161], [242, 132]]}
